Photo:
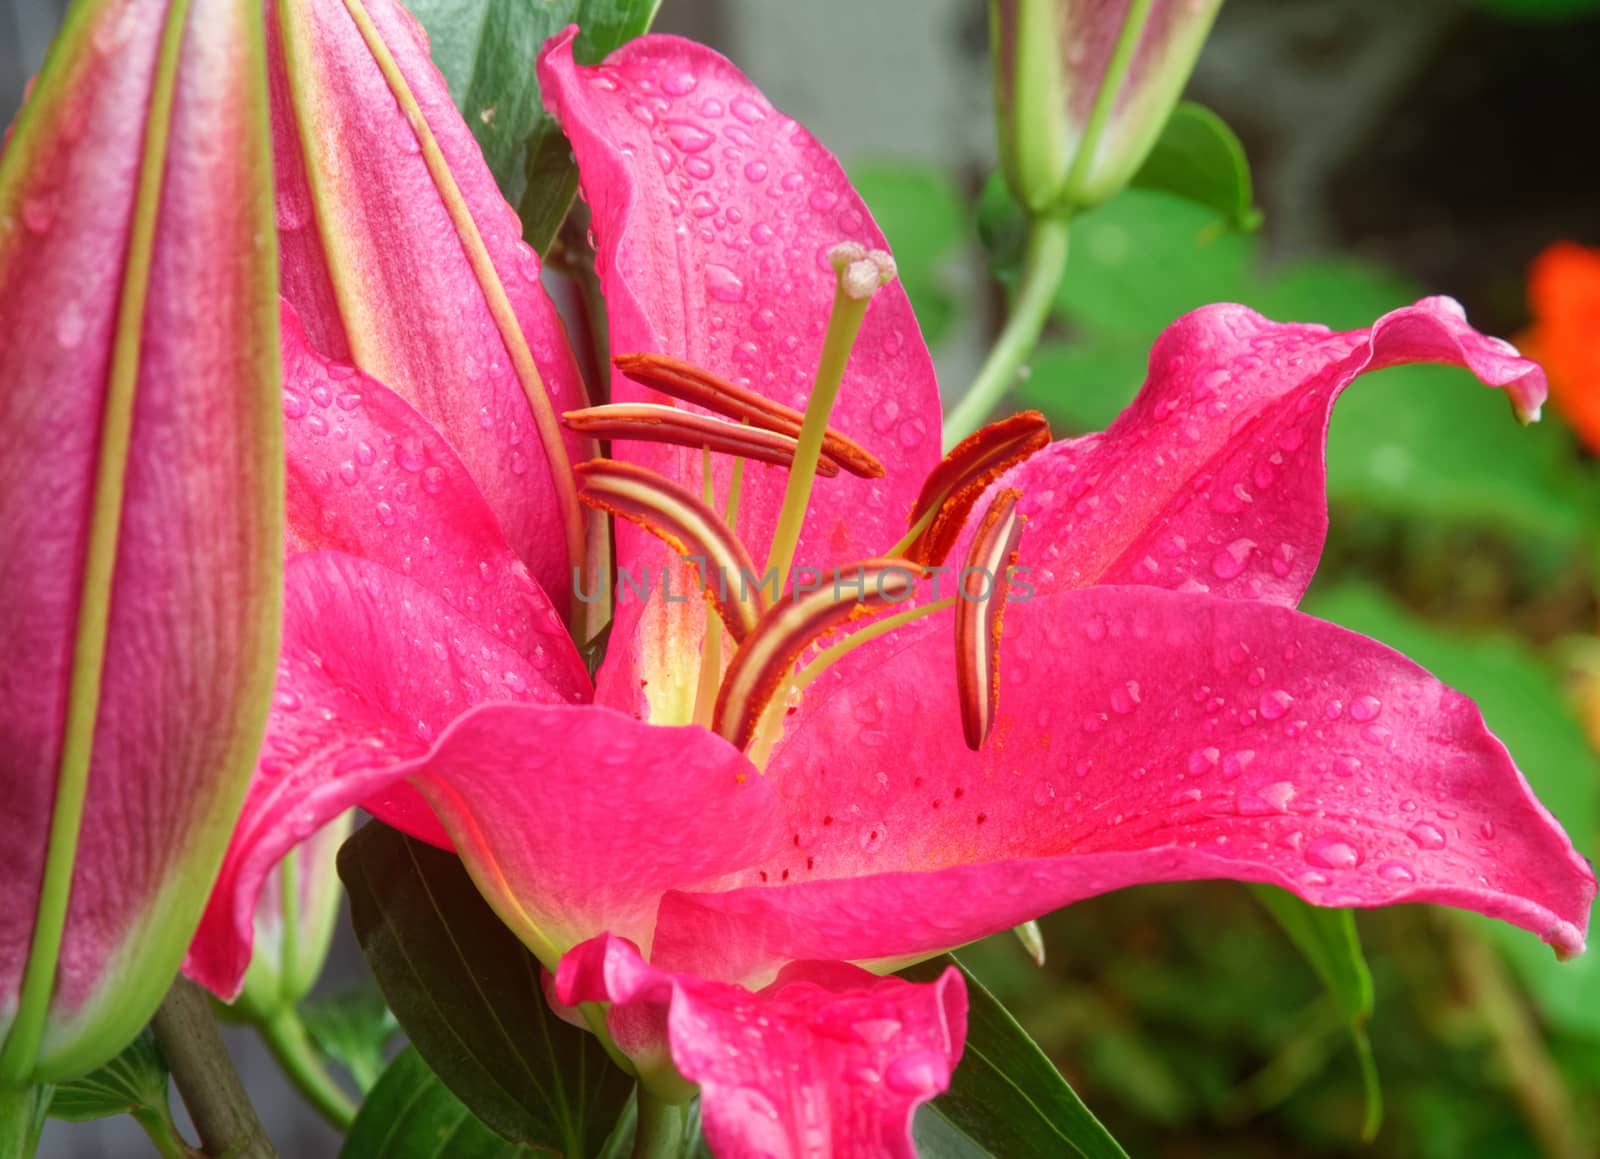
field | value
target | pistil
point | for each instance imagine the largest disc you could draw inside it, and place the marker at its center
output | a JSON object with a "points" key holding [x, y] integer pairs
{"points": [[860, 273]]}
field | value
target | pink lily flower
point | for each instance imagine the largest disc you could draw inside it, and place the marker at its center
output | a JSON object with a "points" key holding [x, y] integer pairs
{"points": [[140, 499], [1162, 713]]}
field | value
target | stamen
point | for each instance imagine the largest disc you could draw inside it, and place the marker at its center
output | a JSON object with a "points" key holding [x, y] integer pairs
{"points": [[658, 423], [831, 655], [688, 526], [765, 660], [984, 584], [683, 380], [851, 295], [954, 487]]}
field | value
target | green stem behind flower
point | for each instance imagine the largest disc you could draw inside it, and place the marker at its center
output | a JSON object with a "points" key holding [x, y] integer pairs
{"points": [[1043, 266], [662, 1127], [285, 1035], [222, 1114]]}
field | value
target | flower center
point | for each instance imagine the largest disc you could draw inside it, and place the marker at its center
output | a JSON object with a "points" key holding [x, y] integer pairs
{"points": [[774, 630]]}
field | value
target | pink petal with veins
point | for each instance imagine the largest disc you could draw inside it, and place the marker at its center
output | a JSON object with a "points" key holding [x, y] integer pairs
{"points": [[192, 595], [829, 1061], [714, 214], [572, 819], [1141, 736], [1214, 477], [379, 274]]}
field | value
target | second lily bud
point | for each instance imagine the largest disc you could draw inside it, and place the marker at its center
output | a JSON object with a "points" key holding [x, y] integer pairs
{"points": [[1083, 89]]}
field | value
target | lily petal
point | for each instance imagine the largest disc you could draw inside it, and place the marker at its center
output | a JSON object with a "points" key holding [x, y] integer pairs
{"points": [[362, 692], [829, 1061], [714, 215], [139, 492], [442, 310], [370, 477], [572, 819], [1213, 479], [1141, 736]]}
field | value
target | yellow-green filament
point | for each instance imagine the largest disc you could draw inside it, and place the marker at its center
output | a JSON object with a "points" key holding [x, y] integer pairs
{"points": [[850, 300], [830, 656]]}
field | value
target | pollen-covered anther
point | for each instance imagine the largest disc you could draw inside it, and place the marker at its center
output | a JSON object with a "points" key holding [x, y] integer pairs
{"points": [[688, 526], [985, 585], [693, 384], [765, 660], [954, 487], [658, 423]]}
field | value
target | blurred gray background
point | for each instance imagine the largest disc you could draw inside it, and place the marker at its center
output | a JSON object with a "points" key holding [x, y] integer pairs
{"points": [[1432, 135]]}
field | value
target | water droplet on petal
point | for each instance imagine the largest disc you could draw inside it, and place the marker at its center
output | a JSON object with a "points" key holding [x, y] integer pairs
{"points": [[1396, 871], [1228, 563], [1332, 853], [1274, 704], [923, 1072], [678, 83], [1426, 835], [723, 284], [689, 137], [1365, 708]]}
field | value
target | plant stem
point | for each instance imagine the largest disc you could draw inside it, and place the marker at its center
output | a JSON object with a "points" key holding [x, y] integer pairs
{"points": [[285, 1035], [20, 1115], [1043, 265], [163, 1134], [222, 1114], [1533, 1077], [660, 1132]]}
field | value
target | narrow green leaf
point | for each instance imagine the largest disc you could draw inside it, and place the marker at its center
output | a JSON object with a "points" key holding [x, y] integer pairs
{"points": [[1328, 940], [468, 995], [1199, 158], [353, 1029], [1006, 1098], [486, 50], [410, 1114]]}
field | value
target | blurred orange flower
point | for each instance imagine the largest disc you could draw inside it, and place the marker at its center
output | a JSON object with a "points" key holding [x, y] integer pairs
{"points": [[1564, 297]]}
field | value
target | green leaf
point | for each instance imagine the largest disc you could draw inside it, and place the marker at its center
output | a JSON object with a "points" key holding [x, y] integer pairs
{"points": [[1083, 386], [353, 1029], [486, 50], [1002, 226], [410, 1114], [134, 1081], [468, 995], [1006, 1098], [1523, 703], [1143, 258], [1328, 941], [1199, 157], [922, 215]]}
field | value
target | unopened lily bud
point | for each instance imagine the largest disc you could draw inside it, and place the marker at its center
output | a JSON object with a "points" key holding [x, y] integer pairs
{"points": [[295, 916], [1083, 89], [142, 497]]}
